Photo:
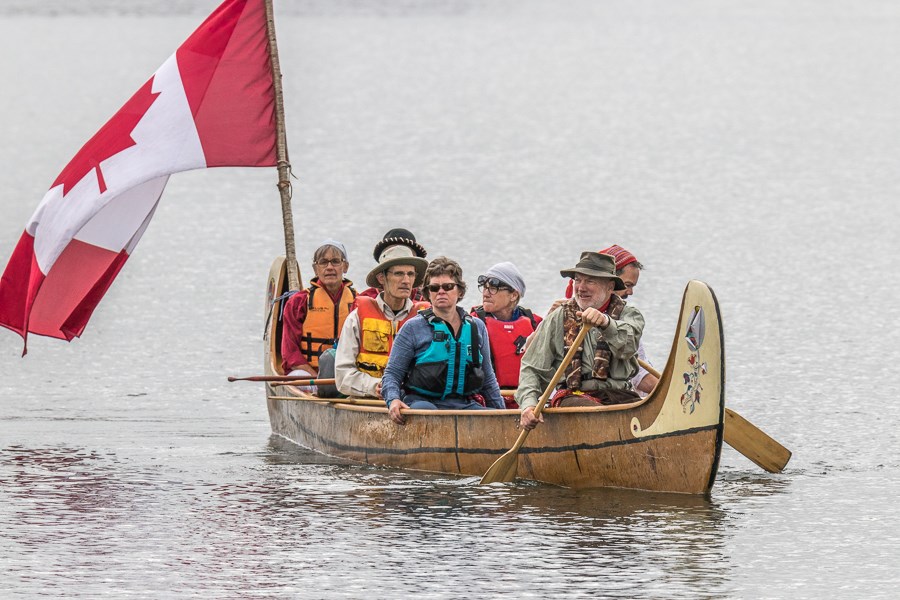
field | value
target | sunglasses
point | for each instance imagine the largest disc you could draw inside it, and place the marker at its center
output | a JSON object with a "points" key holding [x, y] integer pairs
{"points": [[434, 287], [492, 284]]}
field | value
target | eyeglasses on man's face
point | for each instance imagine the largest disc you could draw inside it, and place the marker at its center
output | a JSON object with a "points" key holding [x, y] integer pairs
{"points": [[334, 262], [447, 287], [411, 274], [492, 285]]}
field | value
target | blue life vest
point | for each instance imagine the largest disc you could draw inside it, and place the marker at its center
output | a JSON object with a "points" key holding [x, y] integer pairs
{"points": [[449, 366]]}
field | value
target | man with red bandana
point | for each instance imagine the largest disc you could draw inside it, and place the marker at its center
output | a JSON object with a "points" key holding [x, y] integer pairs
{"points": [[602, 369]]}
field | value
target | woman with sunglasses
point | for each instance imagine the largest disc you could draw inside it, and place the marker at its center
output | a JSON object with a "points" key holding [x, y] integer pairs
{"points": [[313, 317], [441, 359], [508, 324]]}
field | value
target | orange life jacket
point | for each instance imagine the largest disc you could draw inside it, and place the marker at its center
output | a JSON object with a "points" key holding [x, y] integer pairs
{"points": [[376, 334], [324, 320]]}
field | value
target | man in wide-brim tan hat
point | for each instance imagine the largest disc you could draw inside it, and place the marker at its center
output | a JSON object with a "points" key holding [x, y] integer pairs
{"points": [[368, 332], [601, 370]]}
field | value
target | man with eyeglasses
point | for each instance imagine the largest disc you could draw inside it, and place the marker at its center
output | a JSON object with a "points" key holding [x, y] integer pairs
{"points": [[508, 324], [395, 236], [313, 317], [602, 369], [368, 333]]}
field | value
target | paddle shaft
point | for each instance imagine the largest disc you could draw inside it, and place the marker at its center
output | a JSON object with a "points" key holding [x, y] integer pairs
{"points": [[649, 368], [576, 345], [553, 381], [747, 438], [504, 468], [285, 379]]}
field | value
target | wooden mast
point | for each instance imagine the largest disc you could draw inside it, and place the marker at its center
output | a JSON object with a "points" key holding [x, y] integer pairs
{"points": [[284, 165]]}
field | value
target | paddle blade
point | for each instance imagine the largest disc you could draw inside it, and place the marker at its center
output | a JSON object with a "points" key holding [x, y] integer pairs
{"points": [[504, 468], [754, 443]]}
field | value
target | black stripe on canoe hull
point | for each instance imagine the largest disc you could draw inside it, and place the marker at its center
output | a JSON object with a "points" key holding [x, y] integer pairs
{"points": [[368, 450]]}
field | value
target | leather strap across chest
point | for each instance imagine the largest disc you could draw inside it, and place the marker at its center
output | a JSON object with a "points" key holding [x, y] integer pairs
{"points": [[602, 354]]}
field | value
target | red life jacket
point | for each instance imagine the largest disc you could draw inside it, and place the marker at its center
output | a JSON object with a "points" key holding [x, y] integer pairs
{"points": [[508, 344]]}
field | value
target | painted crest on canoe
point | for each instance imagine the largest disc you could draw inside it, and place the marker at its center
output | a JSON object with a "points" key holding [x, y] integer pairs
{"points": [[694, 334]]}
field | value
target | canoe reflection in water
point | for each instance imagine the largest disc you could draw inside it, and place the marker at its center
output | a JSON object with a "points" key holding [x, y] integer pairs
{"points": [[581, 537]]}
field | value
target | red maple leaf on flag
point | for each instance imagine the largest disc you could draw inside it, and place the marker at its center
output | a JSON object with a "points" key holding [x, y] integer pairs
{"points": [[114, 137]]}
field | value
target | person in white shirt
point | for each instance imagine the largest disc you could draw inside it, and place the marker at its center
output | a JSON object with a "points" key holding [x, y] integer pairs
{"points": [[368, 333]]}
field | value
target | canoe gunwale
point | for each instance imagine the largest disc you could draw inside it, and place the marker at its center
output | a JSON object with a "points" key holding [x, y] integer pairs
{"points": [[343, 404]]}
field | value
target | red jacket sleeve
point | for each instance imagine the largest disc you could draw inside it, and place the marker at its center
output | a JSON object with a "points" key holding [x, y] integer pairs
{"points": [[292, 331]]}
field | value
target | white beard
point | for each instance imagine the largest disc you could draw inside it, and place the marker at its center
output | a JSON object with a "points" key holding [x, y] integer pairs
{"points": [[580, 304]]}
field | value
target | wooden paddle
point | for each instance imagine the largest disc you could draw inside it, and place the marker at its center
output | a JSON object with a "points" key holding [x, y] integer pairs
{"points": [[747, 438], [284, 379], [504, 468]]}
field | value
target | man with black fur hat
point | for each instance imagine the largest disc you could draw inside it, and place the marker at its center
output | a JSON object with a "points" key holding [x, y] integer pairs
{"points": [[368, 332], [602, 368], [392, 238]]}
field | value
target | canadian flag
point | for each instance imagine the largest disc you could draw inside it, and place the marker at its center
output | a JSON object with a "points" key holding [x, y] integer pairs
{"points": [[211, 104]]}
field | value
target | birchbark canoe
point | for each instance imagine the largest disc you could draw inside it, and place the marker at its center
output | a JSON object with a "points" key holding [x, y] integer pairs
{"points": [[670, 441]]}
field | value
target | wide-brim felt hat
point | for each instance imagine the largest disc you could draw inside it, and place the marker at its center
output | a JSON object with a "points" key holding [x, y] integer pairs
{"points": [[399, 236], [594, 264], [398, 254]]}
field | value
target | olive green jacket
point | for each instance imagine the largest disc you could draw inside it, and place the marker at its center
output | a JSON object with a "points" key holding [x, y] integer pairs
{"points": [[546, 351]]}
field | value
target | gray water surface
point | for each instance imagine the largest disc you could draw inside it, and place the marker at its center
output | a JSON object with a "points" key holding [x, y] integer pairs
{"points": [[753, 145]]}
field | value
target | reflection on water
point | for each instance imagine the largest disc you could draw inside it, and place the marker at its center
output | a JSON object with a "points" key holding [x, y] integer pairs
{"points": [[750, 484], [66, 482], [655, 543], [285, 519]]}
